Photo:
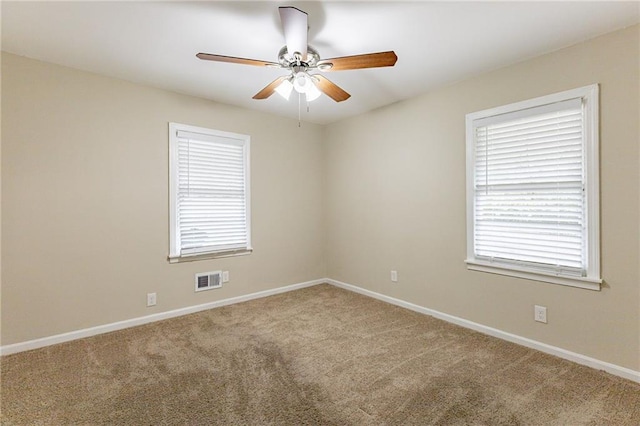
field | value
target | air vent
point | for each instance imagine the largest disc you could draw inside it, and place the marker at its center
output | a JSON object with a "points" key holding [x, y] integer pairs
{"points": [[208, 280]]}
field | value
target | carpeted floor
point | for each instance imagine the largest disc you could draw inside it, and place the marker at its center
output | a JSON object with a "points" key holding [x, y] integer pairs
{"points": [[319, 355]]}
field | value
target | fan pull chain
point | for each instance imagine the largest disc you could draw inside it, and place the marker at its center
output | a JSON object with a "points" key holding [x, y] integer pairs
{"points": [[299, 96]]}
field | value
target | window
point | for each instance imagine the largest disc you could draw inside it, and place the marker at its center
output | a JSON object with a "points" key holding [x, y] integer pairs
{"points": [[209, 193], [532, 189]]}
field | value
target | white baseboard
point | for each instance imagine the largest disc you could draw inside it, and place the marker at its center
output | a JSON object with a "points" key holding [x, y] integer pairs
{"points": [[106, 328], [616, 370]]}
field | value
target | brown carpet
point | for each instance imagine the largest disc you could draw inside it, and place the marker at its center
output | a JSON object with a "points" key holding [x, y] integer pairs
{"points": [[319, 355]]}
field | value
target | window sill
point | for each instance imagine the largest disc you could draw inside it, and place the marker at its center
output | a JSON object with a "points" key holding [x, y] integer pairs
{"points": [[580, 282], [206, 256]]}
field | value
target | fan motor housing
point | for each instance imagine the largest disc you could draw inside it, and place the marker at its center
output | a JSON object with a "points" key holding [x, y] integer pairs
{"points": [[288, 61]]}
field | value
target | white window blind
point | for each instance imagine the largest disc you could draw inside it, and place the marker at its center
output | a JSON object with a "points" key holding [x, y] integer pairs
{"points": [[528, 182], [529, 188], [210, 192]]}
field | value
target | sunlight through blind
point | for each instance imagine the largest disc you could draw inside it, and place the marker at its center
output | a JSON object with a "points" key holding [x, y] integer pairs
{"points": [[529, 188], [211, 193]]}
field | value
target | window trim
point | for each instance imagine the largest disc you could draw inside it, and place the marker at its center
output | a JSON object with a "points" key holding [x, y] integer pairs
{"points": [[590, 101], [174, 251]]}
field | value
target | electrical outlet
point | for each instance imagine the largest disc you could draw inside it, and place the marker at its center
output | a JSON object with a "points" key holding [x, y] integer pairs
{"points": [[225, 276], [151, 299], [394, 276], [540, 313]]}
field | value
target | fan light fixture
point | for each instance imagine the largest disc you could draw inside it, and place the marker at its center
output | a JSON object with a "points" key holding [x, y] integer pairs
{"points": [[303, 83]]}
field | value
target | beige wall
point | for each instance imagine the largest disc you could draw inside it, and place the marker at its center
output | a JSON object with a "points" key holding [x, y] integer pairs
{"points": [[85, 200], [395, 199]]}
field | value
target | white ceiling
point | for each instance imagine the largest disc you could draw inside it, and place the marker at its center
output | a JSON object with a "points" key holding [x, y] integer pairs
{"points": [[437, 43]]}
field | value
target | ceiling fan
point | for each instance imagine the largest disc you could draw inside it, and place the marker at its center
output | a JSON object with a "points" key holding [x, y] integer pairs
{"points": [[301, 59]]}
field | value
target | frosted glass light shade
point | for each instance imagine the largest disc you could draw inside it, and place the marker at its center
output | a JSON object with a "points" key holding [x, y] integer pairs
{"points": [[312, 92], [284, 89], [301, 82]]}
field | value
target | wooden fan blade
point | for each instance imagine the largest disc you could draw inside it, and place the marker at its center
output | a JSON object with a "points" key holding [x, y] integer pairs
{"points": [[294, 25], [330, 89], [234, 60], [270, 88], [368, 60]]}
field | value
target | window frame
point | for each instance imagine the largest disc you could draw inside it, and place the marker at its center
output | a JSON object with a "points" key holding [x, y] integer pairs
{"points": [[589, 96], [175, 254]]}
